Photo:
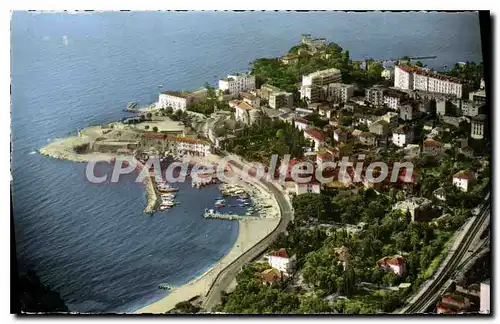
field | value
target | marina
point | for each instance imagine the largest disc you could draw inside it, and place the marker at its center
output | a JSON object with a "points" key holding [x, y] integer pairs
{"points": [[210, 214]]}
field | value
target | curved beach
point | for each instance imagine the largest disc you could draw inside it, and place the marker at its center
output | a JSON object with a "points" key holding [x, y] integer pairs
{"points": [[249, 234]]}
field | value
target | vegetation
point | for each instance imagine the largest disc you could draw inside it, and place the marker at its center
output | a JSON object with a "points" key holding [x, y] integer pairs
{"points": [[339, 235], [259, 142], [288, 77], [469, 71], [155, 129], [382, 232]]}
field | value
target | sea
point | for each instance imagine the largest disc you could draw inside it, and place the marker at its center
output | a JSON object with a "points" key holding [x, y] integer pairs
{"points": [[92, 242]]}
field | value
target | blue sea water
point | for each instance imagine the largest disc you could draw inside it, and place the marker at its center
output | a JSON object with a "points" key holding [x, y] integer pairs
{"points": [[92, 243]]}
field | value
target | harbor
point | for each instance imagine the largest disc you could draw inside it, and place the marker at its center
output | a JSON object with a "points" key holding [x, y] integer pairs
{"points": [[215, 215]]}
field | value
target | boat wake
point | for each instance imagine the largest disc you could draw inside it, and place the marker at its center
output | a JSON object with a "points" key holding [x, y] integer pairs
{"points": [[33, 152]]}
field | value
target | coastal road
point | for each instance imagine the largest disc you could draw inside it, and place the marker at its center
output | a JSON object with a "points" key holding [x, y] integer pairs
{"points": [[433, 291], [226, 276]]}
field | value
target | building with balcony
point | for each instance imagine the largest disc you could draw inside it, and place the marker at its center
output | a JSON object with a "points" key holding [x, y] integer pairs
{"points": [[236, 83], [415, 78]]}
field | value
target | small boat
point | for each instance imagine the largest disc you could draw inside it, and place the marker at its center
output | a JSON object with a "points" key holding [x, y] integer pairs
{"points": [[219, 198], [219, 205], [131, 105], [167, 189], [168, 195], [165, 286], [160, 86], [164, 207]]}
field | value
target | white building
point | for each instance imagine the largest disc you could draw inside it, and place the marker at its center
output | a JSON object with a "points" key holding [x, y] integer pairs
{"points": [[301, 123], [312, 84], [415, 78], [177, 144], [388, 73], [393, 98], [315, 136], [402, 136], [477, 126], [303, 188], [463, 179], [484, 301], [478, 96], [431, 147], [241, 110], [237, 83], [280, 100], [339, 92], [281, 261], [178, 100]]}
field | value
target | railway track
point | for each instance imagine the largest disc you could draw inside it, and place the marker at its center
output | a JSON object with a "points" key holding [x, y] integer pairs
{"points": [[430, 295]]}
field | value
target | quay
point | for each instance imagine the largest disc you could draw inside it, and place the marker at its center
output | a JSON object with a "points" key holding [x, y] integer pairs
{"points": [[208, 215]]}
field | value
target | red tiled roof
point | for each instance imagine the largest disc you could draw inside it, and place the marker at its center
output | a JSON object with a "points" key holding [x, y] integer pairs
{"points": [[270, 275], [282, 253], [402, 130], [315, 134], [448, 308], [324, 155], [159, 136], [417, 70], [396, 260], [367, 134], [464, 175], [431, 142], [302, 120], [244, 105]]}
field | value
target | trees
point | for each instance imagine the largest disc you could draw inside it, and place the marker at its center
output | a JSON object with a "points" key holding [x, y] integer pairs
{"points": [[146, 127], [311, 205], [155, 129]]}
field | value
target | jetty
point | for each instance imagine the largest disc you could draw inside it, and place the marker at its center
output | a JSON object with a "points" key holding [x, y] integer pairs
{"points": [[209, 215], [153, 196]]}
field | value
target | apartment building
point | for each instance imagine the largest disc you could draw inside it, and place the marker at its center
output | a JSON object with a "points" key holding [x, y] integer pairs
{"points": [[415, 78], [280, 99], [339, 92], [237, 83], [180, 100], [312, 84], [478, 126], [375, 95]]}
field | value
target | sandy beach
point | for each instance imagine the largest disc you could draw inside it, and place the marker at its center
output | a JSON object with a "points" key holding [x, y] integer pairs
{"points": [[250, 233]]}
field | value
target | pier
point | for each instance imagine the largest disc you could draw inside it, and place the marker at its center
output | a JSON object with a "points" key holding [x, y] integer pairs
{"points": [[208, 215]]}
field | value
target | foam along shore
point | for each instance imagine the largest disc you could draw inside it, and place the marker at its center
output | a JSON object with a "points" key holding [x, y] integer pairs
{"points": [[250, 232], [66, 149]]}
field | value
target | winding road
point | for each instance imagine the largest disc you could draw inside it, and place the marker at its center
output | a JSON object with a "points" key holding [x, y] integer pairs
{"points": [[226, 276]]}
